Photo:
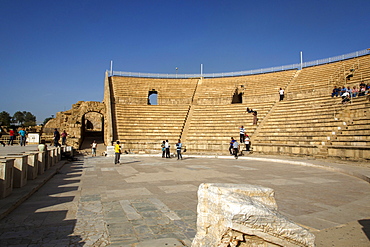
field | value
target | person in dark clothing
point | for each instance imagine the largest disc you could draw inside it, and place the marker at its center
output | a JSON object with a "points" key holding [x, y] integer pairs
{"points": [[56, 138]]}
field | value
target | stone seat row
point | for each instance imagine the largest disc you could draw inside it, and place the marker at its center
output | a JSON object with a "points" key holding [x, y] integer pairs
{"points": [[16, 169]]}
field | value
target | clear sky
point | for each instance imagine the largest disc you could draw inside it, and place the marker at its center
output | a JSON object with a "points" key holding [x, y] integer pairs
{"points": [[55, 53]]}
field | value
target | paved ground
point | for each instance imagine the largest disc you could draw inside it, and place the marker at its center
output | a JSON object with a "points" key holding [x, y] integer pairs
{"points": [[150, 201]]}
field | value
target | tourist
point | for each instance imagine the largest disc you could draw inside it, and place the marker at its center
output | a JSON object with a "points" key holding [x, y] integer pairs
{"points": [[1, 134], [345, 99], [335, 92], [231, 145], [236, 149], [11, 137], [64, 137], [255, 119], [281, 93], [178, 149], [249, 110], [117, 152], [42, 146], [355, 91], [94, 145], [163, 149], [242, 134], [22, 137], [167, 147], [345, 95], [56, 138], [247, 142]]}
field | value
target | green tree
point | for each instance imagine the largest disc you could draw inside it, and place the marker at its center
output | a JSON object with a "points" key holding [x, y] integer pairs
{"points": [[29, 119], [18, 117], [5, 118], [24, 118]]}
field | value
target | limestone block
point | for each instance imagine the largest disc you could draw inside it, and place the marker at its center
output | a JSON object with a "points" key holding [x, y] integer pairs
{"points": [[19, 169], [244, 215], [6, 177], [41, 157], [33, 165]]}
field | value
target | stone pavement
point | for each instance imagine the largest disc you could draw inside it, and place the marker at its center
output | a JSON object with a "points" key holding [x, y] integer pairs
{"points": [[151, 201]]}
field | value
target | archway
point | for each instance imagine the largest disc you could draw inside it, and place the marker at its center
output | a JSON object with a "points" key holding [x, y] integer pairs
{"points": [[92, 129], [153, 97], [238, 95]]}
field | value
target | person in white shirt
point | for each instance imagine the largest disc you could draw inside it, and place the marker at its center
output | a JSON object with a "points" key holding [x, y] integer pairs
{"points": [[281, 92], [242, 134], [247, 143], [236, 149], [94, 145], [167, 147]]}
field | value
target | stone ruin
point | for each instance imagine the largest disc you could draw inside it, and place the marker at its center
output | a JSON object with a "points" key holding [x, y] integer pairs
{"points": [[231, 215], [81, 116]]}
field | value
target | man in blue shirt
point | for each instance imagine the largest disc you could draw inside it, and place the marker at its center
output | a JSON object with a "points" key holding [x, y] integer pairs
{"points": [[22, 137]]}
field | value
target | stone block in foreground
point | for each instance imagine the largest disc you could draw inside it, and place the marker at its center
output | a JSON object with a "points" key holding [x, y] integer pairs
{"points": [[244, 215]]}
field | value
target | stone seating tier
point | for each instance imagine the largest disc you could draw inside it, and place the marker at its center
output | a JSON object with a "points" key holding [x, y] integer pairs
{"points": [[308, 121]]}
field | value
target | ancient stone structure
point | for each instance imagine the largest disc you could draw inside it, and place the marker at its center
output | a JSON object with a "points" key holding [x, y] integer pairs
{"points": [[205, 112], [231, 215], [74, 122]]}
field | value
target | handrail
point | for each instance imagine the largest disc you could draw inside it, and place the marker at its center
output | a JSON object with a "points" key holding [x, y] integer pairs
{"points": [[246, 72]]}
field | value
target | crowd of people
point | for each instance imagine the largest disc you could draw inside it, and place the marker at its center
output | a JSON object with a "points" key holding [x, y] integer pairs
{"points": [[234, 147], [351, 92], [166, 153]]}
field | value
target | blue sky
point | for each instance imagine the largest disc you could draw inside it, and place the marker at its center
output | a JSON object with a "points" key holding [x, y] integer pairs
{"points": [[55, 53]]}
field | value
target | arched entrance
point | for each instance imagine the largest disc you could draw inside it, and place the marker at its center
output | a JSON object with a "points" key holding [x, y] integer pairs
{"points": [[153, 97], [92, 128], [238, 95]]}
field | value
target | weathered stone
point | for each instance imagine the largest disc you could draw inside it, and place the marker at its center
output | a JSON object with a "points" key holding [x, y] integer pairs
{"points": [[244, 215]]}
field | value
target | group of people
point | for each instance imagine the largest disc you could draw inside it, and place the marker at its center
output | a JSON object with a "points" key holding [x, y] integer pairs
{"points": [[347, 92], [166, 149], [13, 134], [235, 146], [57, 136]]}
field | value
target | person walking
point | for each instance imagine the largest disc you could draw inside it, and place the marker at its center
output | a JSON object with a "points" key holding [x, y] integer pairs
{"points": [[117, 152], [281, 93], [178, 149], [64, 137], [242, 134], [94, 145], [231, 145], [22, 137], [167, 147], [11, 137], [236, 149], [56, 138]]}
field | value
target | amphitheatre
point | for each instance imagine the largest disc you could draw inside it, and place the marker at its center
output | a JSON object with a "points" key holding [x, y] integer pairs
{"points": [[310, 148]]}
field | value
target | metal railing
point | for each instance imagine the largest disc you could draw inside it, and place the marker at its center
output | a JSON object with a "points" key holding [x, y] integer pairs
{"points": [[246, 72]]}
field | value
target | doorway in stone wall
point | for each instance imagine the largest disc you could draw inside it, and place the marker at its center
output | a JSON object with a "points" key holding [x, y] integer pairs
{"points": [[153, 97], [238, 95], [92, 129]]}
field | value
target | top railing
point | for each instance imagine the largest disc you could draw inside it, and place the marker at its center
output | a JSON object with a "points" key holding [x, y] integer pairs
{"points": [[246, 72]]}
